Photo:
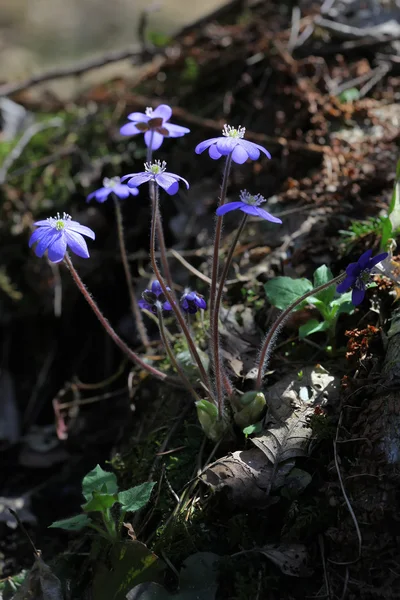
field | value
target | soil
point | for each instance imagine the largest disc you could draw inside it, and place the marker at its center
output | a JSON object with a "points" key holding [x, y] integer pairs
{"points": [[332, 171]]}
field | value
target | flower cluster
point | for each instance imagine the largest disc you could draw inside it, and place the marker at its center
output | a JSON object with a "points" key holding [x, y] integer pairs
{"points": [[112, 186], [250, 205], [156, 172], [155, 126], [232, 143], [358, 275], [154, 297], [191, 302], [56, 234]]}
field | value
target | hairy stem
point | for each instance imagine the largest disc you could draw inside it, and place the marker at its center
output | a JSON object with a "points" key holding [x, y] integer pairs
{"points": [[132, 296], [213, 289], [169, 295], [111, 332], [172, 358], [160, 232], [220, 380], [272, 334]]}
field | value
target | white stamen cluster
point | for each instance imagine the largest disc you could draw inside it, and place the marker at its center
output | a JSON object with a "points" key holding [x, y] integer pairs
{"points": [[58, 222], [248, 198], [156, 167], [148, 112], [111, 182], [229, 131]]}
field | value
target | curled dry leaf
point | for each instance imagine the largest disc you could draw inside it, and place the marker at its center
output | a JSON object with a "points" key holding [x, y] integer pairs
{"points": [[250, 476], [291, 559]]}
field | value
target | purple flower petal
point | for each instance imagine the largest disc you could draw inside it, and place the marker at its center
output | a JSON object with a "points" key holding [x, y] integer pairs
{"points": [[144, 304], [201, 303], [239, 155], [133, 191], [364, 259], [170, 182], [156, 288], [346, 284], [266, 215], [357, 296], [57, 249], [253, 150], [213, 152], [377, 259], [163, 112], [156, 139], [353, 269], [49, 235], [121, 190], [226, 145], [77, 243], [43, 223], [167, 306], [129, 129], [78, 228], [36, 235], [176, 131], [204, 145], [138, 117], [225, 208], [138, 179]]}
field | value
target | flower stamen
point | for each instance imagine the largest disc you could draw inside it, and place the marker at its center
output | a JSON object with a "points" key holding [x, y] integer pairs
{"points": [[229, 131], [155, 168]]}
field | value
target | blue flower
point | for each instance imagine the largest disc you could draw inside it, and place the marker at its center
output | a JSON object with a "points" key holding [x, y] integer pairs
{"points": [[358, 274], [153, 297], [232, 142], [191, 302], [250, 205], [112, 186], [156, 172], [154, 124], [56, 233]]}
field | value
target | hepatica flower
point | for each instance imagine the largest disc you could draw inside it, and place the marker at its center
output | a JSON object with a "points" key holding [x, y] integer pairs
{"points": [[191, 302], [232, 142], [250, 205], [153, 297], [156, 172], [155, 126], [358, 274], [56, 234], [112, 186]]}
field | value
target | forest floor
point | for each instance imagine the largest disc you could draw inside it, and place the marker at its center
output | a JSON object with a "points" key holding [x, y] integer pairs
{"points": [[313, 514]]}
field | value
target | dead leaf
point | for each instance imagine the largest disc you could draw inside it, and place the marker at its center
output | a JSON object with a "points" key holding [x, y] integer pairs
{"points": [[290, 558], [246, 477], [40, 584]]}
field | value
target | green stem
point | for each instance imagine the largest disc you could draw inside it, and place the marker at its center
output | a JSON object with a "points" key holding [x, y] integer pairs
{"points": [[132, 297], [272, 335], [112, 333], [171, 355], [169, 295]]}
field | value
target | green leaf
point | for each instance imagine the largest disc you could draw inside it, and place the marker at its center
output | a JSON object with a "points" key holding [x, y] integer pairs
{"points": [[135, 498], [128, 564], [99, 480], [386, 232], [207, 413], [343, 305], [72, 524], [255, 428], [312, 326], [283, 291], [323, 275], [100, 502]]}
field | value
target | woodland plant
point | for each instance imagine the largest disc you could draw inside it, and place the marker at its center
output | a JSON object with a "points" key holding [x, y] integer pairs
{"points": [[218, 403]]}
